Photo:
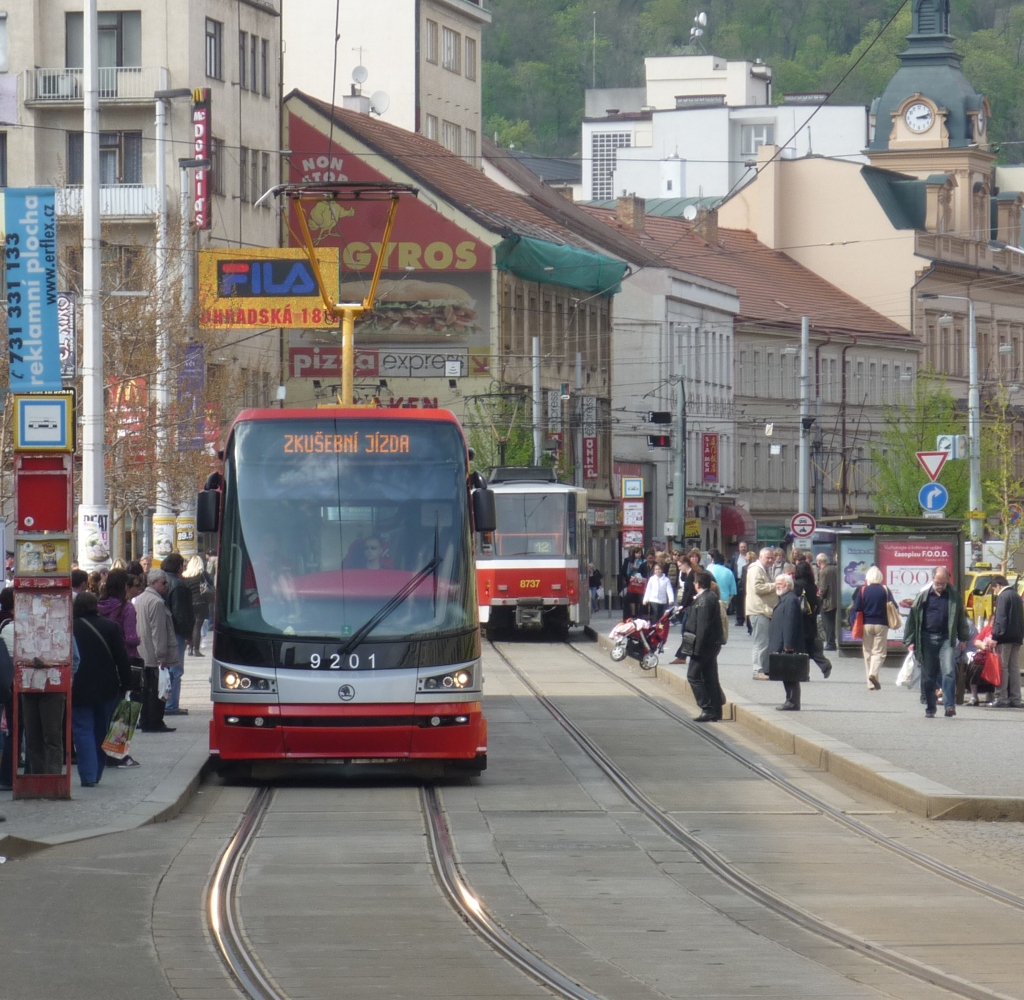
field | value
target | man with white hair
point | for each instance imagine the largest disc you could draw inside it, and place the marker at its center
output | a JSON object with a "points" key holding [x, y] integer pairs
{"points": [[760, 602], [786, 634], [158, 648]]}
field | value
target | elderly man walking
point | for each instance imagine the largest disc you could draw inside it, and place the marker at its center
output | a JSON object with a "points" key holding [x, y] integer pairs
{"points": [[828, 595], [158, 648], [760, 601], [1008, 634], [936, 624]]}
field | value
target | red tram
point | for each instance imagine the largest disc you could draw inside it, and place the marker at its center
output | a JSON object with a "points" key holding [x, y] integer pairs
{"points": [[532, 571], [346, 618]]}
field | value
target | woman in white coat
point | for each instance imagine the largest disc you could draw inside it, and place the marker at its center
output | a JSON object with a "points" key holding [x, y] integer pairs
{"points": [[659, 593]]}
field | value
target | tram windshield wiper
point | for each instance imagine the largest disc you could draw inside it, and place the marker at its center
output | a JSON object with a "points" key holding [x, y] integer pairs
{"points": [[367, 627]]}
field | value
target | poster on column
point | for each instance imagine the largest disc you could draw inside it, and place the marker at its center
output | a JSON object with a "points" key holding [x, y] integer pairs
{"points": [[185, 528], [93, 538], [856, 555], [165, 536], [29, 221], [907, 566]]}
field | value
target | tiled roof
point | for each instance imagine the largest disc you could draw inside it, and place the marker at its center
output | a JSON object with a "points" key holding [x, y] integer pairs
{"points": [[773, 288], [432, 167]]}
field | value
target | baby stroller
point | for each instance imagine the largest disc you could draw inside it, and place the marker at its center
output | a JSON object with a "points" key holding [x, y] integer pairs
{"points": [[642, 640]]}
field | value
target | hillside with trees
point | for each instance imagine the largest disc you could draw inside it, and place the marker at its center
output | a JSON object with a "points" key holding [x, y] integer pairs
{"points": [[540, 55]]}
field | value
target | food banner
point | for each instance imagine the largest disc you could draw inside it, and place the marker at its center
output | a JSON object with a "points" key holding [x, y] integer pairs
{"points": [[185, 533], [93, 537], [435, 287], [908, 565], [856, 555], [709, 458]]}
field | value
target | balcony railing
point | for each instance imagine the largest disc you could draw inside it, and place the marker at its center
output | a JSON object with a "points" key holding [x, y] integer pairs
{"points": [[116, 200], [128, 84]]}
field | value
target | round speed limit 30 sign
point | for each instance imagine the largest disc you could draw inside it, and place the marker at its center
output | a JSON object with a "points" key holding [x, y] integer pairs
{"points": [[802, 525]]}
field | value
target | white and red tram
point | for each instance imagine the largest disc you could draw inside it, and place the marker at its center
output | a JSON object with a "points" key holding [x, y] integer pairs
{"points": [[532, 571]]}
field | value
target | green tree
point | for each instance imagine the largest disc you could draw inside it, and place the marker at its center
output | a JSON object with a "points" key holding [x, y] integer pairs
{"points": [[500, 429], [509, 134], [1001, 482], [910, 427]]}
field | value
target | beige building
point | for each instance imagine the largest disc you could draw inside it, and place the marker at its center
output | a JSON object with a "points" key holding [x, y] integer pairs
{"points": [[421, 62]]}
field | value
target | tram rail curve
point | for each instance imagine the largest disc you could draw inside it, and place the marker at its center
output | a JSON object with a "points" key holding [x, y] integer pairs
{"points": [[243, 964], [738, 880], [925, 861]]}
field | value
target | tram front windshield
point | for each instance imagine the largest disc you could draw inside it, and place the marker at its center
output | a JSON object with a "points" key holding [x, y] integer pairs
{"points": [[326, 521], [534, 524]]}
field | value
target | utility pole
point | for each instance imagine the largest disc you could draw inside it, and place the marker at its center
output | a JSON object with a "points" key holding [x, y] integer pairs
{"points": [[803, 473], [679, 477], [819, 499], [94, 487], [578, 410], [537, 443], [593, 72]]}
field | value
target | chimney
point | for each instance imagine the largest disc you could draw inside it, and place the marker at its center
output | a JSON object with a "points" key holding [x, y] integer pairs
{"points": [[706, 224], [631, 211]]}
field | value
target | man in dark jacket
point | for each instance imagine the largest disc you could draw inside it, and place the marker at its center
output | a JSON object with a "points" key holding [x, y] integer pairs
{"points": [[102, 676], [828, 592], [936, 625], [1008, 633], [179, 600], [705, 621], [786, 634]]}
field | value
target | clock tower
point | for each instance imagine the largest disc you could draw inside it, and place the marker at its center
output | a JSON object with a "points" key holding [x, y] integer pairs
{"points": [[931, 122]]}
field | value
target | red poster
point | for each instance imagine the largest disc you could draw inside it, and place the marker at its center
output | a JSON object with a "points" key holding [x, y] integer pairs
{"points": [[709, 458], [590, 462], [907, 568], [201, 216]]}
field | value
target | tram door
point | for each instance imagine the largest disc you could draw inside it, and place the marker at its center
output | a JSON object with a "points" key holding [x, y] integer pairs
{"points": [[583, 536]]}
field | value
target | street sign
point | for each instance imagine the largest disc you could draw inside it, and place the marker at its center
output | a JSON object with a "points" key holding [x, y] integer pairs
{"points": [[632, 487], [1014, 513], [44, 422], [975, 515], [802, 525], [933, 497], [932, 462]]}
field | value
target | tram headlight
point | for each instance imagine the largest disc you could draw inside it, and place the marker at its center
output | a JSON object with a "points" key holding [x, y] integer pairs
{"points": [[235, 680], [452, 680]]}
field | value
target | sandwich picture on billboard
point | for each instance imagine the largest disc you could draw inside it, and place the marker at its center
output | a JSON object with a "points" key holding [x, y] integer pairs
{"points": [[412, 310]]}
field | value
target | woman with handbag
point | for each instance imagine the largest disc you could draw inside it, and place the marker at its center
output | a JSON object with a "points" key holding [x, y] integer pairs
{"points": [[633, 577], [116, 605], [810, 604], [102, 675], [786, 634], [872, 602]]}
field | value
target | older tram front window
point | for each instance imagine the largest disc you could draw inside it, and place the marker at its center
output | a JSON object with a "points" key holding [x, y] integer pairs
{"points": [[534, 524], [325, 521]]}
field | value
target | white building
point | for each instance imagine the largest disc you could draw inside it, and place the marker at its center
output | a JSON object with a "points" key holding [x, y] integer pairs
{"points": [[695, 129], [424, 55]]}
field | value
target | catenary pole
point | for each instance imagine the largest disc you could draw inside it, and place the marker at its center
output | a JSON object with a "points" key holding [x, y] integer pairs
{"points": [[536, 401], [163, 491], [679, 476], [93, 479], [803, 475]]}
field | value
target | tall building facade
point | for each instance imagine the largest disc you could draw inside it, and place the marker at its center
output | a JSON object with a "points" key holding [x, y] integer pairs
{"points": [[424, 55]]}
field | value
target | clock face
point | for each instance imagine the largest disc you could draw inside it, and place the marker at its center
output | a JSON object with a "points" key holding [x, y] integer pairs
{"points": [[919, 117]]}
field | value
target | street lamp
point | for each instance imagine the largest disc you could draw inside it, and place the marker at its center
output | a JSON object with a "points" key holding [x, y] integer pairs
{"points": [[973, 409]]}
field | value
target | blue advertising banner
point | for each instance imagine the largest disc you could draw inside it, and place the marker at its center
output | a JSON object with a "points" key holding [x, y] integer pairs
{"points": [[30, 260], [191, 422]]}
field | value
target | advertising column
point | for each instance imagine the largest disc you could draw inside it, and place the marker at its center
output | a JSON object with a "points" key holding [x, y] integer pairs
{"points": [[907, 566]]}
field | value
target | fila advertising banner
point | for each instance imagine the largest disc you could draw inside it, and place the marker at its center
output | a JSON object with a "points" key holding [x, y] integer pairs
{"points": [[434, 299]]}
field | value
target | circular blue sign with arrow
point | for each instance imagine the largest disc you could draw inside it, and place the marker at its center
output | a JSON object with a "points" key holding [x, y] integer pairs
{"points": [[933, 497]]}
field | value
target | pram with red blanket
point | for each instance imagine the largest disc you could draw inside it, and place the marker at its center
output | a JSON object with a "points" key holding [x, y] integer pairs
{"points": [[641, 639]]}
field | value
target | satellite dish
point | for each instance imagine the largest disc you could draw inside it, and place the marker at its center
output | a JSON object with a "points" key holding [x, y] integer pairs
{"points": [[696, 32], [379, 102], [702, 19], [359, 74], [690, 213]]}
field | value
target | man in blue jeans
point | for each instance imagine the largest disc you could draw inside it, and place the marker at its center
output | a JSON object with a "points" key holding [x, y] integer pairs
{"points": [[936, 626]]}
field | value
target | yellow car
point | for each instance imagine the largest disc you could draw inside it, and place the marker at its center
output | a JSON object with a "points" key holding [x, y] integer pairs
{"points": [[978, 583]]}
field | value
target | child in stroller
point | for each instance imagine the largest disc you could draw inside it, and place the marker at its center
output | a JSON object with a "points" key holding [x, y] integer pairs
{"points": [[641, 639]]}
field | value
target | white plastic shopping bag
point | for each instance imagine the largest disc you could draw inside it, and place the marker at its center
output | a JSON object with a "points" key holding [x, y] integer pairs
{"points": [[909, 673], [163, 691]]}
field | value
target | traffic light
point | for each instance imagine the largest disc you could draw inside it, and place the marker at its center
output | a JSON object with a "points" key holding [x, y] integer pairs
{"points": [[659, 441], [659, 417]]}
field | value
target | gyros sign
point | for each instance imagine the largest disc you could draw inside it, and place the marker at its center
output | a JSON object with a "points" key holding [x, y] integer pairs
{"points": [[325, 362]]}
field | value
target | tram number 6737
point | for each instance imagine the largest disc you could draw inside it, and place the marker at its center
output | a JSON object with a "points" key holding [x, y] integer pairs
{"points": [[316, 661]]}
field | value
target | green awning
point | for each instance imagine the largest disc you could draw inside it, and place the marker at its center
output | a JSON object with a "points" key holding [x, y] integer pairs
{"points": [[558, 264]]}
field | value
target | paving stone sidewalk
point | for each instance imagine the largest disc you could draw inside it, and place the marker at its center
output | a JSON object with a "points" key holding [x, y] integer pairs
{"points": [[126, 797], [978, 752]]}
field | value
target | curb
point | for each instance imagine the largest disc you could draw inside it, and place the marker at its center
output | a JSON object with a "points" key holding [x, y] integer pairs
{"points": [[874, 775], [162, 804]]}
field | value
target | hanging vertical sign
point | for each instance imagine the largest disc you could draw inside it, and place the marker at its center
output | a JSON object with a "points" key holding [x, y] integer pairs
{"points": [[30, 261], [589, 427], [68, 335], [190, 399], [709, 458], [201, 151]]}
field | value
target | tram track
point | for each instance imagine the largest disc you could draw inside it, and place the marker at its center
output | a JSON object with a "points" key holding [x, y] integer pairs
{"points": [[224, 920], [734, 877], [919, 858]]}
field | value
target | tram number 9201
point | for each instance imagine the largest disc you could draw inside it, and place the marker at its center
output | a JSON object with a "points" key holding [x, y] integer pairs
{"points": [[333, 662]]}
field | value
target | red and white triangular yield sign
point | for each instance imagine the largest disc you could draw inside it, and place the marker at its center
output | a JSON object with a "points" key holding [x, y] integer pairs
{"points": [[932, 462]]}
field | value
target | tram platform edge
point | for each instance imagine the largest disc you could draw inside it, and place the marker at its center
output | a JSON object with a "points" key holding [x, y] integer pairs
{"points": [[868, 772]]}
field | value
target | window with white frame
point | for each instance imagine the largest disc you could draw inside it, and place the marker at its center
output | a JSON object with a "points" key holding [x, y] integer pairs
{"points": [[753, 137], [469, 145], [5, 58], [430, 127], [243, 60], [603, 148], [214, 49], [470, 58], [243, 173], [451, 50], [265, 181], [265, 65], [430, 43], [451, 137]]}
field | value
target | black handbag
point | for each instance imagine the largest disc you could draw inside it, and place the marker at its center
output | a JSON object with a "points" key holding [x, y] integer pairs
{"points": [[789, 667], [687, 644]]}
